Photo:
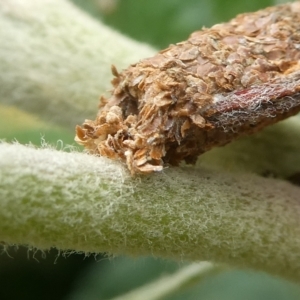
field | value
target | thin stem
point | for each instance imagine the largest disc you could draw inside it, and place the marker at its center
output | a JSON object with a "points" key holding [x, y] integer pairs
{"points": [[174, 283]]}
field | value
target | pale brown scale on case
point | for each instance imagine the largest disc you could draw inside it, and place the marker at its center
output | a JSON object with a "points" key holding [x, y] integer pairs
{"points": [[224, 82]]}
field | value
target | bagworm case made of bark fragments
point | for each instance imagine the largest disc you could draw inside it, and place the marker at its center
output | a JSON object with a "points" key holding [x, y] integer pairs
{"points": [[224, 82]]}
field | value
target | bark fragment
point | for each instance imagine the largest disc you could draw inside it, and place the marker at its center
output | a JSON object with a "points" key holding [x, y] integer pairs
{"points": [[224, 82]]}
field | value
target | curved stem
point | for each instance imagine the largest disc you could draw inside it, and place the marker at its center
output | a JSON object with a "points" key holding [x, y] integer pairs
{"points": [[174, 283], [56, 61]]}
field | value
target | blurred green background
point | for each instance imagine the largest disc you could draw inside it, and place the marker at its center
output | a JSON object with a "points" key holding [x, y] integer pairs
{"points": [[27, 274]]}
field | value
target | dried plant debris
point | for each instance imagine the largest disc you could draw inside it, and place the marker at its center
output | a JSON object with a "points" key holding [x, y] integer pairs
{"points": [[224, 82]]}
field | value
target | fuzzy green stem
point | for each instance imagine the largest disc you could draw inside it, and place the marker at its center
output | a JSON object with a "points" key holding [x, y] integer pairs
{"points": [[86, 203], [56, 61]]}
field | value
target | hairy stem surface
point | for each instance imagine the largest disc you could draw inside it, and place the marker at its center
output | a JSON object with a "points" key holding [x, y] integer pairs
{"points": [[76, 201]]}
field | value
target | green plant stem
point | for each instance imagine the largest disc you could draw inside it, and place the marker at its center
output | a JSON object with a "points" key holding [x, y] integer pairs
{"points": [[86, 203], [174, 283], [56, 61]]}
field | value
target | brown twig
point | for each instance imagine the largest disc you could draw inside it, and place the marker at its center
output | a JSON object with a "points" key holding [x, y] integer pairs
{"points": [[224, 82]]}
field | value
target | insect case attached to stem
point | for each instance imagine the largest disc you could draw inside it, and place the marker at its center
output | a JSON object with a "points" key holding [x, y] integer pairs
{"points": [[224, 82]]}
